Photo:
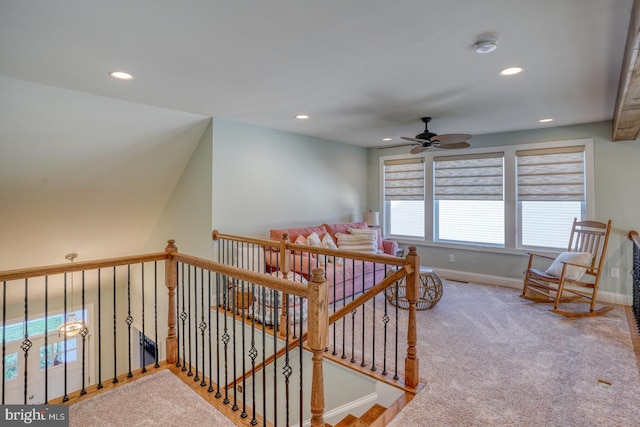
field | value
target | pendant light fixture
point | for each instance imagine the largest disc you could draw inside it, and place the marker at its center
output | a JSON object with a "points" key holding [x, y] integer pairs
{"points": [[72, 326]]}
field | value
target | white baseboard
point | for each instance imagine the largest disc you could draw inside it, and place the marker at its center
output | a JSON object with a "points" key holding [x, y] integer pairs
{"points": [[463, 276]]}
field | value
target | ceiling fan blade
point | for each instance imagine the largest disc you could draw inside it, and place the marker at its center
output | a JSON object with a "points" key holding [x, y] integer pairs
{"points": [[451, 138], [395, 146], [420, 141], [418, 149], [454, 145]]}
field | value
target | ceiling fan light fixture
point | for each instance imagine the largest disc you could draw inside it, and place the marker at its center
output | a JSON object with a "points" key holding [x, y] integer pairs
{"points": [[486, 46]]}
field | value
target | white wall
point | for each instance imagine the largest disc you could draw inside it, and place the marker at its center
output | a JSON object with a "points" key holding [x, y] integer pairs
{"points": [[616, 176], [265, 178]]}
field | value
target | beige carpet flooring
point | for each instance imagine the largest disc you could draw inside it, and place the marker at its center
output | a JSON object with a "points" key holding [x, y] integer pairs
{"points": [[490, 358], [160, 399]]}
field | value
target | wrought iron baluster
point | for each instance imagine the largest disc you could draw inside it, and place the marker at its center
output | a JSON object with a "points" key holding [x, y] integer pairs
{"points": [[129, 318], [385, 321], [115, 324], [190, 373], [144, 335], [100, 329], [225, 341], [210, 389], [335, 302], [27, 344], [202, 326], [253, 353], [275, 352], [364, 324], [183, 318], [301, 362], [234, 340], [344, 302], [373, 325], [155, 310], [218, 394], [196, 378], [244, 368], [83, 333], [263, 290], [286, 369], [395, 376], [353, 313], [46, 340], [4, 335]]}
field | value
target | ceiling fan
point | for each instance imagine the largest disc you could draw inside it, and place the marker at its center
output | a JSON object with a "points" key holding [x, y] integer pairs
{"points": [[428, 139]]}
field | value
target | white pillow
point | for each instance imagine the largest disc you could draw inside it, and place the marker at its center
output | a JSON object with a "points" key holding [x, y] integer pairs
{"points": [[313, 239], [572, 272], [327, 242], [367, 243]]}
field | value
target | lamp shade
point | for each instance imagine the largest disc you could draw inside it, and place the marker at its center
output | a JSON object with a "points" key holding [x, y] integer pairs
{"points": [[372, 218]]}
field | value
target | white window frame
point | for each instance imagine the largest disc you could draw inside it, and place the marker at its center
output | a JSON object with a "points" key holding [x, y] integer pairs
{"points": [[512, 242]]}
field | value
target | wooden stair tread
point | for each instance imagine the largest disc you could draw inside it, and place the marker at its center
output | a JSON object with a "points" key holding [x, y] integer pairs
{"points": [[370, 416], [348, 421]]}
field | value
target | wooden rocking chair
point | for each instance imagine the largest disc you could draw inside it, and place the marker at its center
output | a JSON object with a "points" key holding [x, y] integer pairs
{"points": [[574, 275]]}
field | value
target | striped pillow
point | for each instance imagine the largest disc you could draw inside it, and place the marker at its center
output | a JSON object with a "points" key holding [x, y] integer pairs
{"points": [[359, 242]]}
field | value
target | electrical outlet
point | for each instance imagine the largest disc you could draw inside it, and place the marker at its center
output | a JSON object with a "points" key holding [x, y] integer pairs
{"points": [[615, 273], [452, 258]]}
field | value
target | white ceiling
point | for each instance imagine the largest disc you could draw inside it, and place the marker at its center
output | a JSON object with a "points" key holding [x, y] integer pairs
{"points": [[362, 69]]}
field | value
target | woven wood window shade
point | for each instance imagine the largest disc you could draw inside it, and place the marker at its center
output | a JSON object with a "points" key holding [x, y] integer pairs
{"points": [[404, 179], [551, 174], [469, 177]]}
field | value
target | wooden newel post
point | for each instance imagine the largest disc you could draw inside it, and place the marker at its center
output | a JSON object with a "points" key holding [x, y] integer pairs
{"points": [[412, 363], [171, 281], [318, 330]]}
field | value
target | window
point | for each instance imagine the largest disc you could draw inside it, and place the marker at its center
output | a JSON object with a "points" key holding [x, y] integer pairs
{"points": [[512, 197], [469, 199], [55, 354], [404, 197], [551, 192], [10, 366]]}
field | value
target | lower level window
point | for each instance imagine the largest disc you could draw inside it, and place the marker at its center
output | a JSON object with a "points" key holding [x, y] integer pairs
{"points": [[406, 217], [548, 223], [470, 221]]}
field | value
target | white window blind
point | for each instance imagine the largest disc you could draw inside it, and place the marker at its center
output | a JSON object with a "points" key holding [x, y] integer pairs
{"points": [[469, 177], [404, 179], [551, 174]]}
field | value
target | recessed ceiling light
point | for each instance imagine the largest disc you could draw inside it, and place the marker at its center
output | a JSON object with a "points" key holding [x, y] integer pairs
{"points": [[302, 117], [387, 139], [121, 75], [545, 120], [511, 71]]}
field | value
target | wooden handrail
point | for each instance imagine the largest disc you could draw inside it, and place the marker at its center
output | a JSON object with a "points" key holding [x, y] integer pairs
{"points": [[360, 256], [634, 237], [216, 235], [26, 273], [261, 279]]}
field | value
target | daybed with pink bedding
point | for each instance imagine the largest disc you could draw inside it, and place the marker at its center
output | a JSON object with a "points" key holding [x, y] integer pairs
{"points": [[345, 277]]}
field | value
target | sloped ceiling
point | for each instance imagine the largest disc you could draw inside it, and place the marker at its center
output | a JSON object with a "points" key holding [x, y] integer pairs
{"points": [[84, 173]]}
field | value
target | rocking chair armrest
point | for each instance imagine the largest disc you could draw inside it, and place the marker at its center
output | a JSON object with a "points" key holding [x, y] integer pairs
{"points": [[532, 254]]}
